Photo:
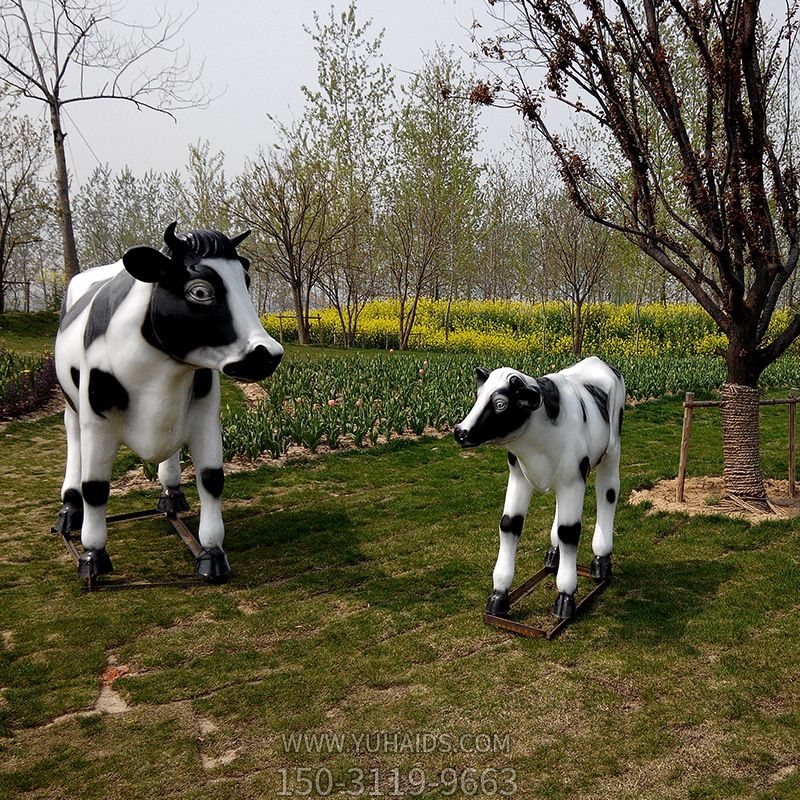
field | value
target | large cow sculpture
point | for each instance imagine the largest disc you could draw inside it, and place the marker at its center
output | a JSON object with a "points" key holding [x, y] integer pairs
{"points": [[138, 350], [556, 429]]}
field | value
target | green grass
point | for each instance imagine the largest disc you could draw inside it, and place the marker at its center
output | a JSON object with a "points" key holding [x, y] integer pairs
{"points": [[355, 608], [28, 334]]}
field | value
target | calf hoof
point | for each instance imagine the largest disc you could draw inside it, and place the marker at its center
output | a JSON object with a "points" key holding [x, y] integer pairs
{"points": [[212, 565], [93, 563], [172, 501], [497, 605], [565, 606], [601, 568], [551, 558]]}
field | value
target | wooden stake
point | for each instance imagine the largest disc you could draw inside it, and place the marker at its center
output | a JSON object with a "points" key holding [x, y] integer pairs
{"points": [[687, 430], [792, 441]]}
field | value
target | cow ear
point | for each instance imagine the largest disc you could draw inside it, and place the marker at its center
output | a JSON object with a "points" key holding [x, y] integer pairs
{"points": [[146, 263], [526, 397], [481, 374]]}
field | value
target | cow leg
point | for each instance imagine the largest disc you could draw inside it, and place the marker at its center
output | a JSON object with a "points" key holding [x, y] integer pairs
{"points": [[515, 507], [569, 514], [206, 449], [607, 489], [172, 501], [99, 445], [70, 518], [551, 556]]}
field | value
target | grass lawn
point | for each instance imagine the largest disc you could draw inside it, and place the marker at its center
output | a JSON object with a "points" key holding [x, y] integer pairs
{"points": [[355, 610]]}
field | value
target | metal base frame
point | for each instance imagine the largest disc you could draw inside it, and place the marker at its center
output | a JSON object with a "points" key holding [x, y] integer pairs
{"points": [[524, 589], [91, 584]]}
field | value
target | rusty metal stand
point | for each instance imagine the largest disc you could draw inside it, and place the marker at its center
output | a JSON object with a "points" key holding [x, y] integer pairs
{"points": [[187, 537], [524, 589]]}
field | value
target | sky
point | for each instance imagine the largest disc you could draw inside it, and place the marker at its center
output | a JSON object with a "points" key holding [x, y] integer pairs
{"points": [[255, 56]]}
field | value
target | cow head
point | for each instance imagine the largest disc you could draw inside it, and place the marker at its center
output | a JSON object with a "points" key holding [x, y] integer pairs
{"points": [[200, 309], [504, 402]]}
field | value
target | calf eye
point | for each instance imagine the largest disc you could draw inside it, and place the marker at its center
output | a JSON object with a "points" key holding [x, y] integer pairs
{"points": [[199, 291], [500, 404]]}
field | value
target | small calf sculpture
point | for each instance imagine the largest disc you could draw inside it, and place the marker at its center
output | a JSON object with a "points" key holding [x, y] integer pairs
{"points": [[556, 429], [137, 354]]}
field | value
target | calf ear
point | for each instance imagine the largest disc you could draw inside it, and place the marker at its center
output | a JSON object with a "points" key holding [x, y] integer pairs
{"points": [[526, 397], [146, 263], [481, 374]]}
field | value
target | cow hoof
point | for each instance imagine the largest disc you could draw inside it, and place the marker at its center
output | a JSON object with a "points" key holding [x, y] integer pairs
{"points": [[497, 605], [93, 563], [172, 501], [212, 565], [601, 568], [565, 606], [70, 518], [551, 560]]}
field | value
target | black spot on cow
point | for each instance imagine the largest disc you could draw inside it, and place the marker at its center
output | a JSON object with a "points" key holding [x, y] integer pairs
{"points": [[512, 460], [105, 305], [584, 467], [176, 326], [583, 408], [621, 414], [95, 493], [213, 479], [106, 392], [506, 411], [202, 382], [76, 377], [570, 534], [69, 315], [616, 372], [600, 398], [550, 397], [511, 524], [611, 496]]}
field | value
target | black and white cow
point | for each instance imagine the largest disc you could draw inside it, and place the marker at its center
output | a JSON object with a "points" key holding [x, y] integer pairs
{"points": [[137, 354], [556, 429]]}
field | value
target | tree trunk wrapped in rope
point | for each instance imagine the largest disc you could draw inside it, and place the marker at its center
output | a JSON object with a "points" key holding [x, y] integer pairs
{"points": [[740, 443]]}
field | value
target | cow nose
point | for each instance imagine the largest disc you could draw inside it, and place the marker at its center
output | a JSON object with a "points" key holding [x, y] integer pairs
{"points": [[461, 435], [258, 364]]}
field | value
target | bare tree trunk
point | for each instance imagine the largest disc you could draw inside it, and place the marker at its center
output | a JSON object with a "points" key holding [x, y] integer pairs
{"points": [[71, 266]]}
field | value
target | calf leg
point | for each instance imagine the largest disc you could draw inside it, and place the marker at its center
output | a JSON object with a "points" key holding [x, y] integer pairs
{"points": [[70, 518], [206, 449], [172, 500], [518, 498], [99, 445], [607, 489], [569, 514]]}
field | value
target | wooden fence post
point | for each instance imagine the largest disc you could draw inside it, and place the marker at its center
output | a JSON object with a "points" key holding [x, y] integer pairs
{"points": [[792, 441], [687, 429]]}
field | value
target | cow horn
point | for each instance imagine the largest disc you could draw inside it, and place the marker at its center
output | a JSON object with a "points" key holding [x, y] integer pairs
{"points": [[176, 245], [237, 240]]}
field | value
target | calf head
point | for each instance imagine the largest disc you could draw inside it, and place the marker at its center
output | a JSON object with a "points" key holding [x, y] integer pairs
{"points": [[200, 310], [505, 400]]}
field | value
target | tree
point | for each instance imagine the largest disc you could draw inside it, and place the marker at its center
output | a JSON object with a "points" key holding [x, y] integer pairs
{"points": [[429, 195], [576, 250], [346, 119], [286, 198], [60, 52], [22, 200], [694, 158], [207, 197]]}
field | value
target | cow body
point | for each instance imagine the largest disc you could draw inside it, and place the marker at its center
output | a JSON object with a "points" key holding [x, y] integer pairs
{"points": [[138, 352], [556, 428]]}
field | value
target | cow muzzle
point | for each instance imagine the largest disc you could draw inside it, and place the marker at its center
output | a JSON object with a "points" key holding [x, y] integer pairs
{"points": [[258, 364]]}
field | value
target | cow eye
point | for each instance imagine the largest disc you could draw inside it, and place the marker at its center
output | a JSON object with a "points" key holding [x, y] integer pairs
{"points": [[199, 291], [500, 404]]}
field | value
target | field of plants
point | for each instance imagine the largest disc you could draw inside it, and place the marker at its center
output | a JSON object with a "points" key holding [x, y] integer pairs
{"points": [[362, 398], [25, 382]]}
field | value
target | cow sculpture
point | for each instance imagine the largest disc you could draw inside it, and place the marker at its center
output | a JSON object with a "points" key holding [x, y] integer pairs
{"points": [[138, 350], [556, 429]]}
